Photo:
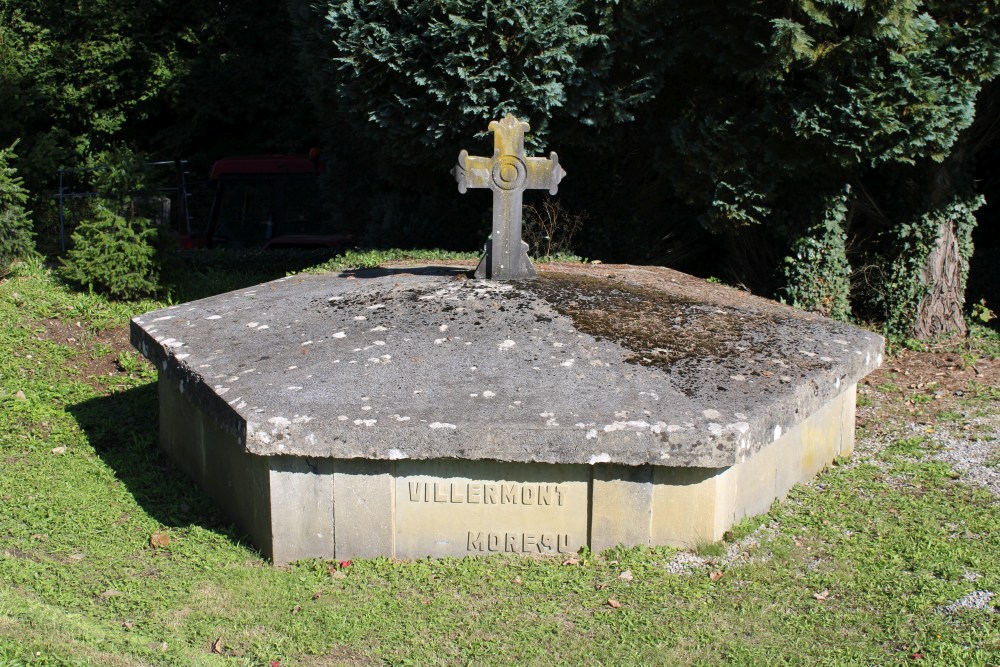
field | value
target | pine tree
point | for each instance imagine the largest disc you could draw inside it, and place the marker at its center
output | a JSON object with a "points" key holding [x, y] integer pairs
{"points": [[16, 240]]}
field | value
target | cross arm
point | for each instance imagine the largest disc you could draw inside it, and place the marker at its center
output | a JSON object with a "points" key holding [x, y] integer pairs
{"points": [[544, 173], [472, 172]]}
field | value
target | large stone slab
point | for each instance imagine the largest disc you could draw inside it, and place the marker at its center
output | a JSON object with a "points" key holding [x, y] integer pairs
{"points": [[413, 411]]}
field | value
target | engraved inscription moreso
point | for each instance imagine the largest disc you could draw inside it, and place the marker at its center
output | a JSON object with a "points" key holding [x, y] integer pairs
{"points": [[461, 508], [527, 543]]}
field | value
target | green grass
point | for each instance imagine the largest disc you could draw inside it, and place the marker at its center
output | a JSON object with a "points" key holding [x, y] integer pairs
{"points": [[889, 540]]}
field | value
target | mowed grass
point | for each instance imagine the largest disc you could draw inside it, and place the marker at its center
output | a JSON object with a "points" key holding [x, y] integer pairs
{"points": [[852, 569]]}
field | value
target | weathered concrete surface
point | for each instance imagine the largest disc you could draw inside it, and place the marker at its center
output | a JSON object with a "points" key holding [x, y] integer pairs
{"points": [[619, 365]]}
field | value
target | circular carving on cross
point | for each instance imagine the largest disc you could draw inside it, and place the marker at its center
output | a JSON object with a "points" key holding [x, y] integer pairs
{"points": [[509, 172]]}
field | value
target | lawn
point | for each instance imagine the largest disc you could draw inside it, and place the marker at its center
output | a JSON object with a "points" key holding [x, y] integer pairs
{"points": [[109, 556]]}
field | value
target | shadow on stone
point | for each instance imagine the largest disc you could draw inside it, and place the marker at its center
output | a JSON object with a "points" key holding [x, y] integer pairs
{"points": [[123, 429], [443, 271]]}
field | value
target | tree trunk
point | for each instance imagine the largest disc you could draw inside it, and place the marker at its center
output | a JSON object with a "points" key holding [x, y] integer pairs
{"points": [[941, 311]]}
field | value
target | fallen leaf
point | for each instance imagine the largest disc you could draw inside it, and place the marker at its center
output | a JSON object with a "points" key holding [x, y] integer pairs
{"points": [[296, 609], [20, 396], [613, 603], [110, 594], [159, 540], [916, 656], [127, 625], [822, 595], [600, 587], [337, 574], [893, 510], [715, 575], [58, 450], [317, 596], [217, 646], [518, 581], [572, 560], [626, 575]]}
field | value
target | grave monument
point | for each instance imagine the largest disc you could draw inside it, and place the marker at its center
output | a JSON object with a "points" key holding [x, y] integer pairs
{"points": [[415, 411]]}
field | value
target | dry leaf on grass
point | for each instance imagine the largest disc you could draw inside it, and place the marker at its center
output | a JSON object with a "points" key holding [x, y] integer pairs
{"points": [[613, 603], [822, 595], [296, 609], [572, 560], [715, 575], [217, 646], [626, 575], [159, 540]]}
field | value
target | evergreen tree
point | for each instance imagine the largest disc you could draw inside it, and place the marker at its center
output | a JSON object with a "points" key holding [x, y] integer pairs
{"points": [[16, 240], [778, 107]]}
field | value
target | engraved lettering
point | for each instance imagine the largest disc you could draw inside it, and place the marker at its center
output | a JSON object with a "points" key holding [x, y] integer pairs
{"points": [[509, 494], [440, 495], [518, 542], [475, 541], [415, 492], [475, 494]]}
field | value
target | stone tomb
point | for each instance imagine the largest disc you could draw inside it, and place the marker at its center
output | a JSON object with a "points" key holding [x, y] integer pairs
{"points": [[414, 411]]}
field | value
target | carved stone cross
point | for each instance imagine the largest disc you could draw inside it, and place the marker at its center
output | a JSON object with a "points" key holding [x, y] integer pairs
{"points": [[508, 174]]}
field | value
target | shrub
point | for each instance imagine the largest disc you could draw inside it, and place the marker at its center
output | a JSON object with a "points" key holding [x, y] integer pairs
{"points": [[114, 255], [16, 238]]}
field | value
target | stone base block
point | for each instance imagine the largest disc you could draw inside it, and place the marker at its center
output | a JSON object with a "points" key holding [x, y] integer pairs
{"points": [[295, 508]]}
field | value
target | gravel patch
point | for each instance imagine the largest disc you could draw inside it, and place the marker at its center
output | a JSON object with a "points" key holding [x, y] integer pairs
{"points": [[741, 552], [977, 461], [974, 600]]}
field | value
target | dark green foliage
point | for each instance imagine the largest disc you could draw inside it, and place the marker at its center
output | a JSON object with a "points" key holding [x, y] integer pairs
{"points": [[817, 274], [114, 255], [776, 105], [906, 284], [115, 251], [16, 240], [422, 77]]}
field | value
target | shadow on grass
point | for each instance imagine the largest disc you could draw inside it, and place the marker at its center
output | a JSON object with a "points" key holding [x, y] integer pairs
{"points": [[123, 429]]}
